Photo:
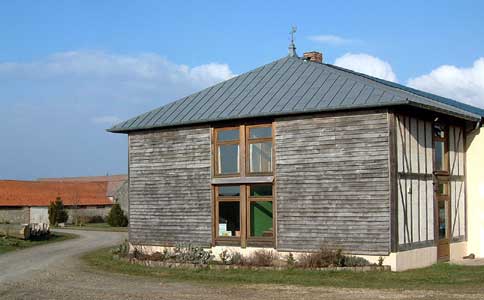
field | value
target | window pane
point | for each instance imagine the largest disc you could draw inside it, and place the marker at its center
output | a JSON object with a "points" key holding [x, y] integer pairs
{"points": [[443, 189], [439, 156], [261, 190], [228, 135], [439, 131], [229, 219], [261, 218], [442, 220], [228, 159], [229, 191], [260, 132], [260, 157]]}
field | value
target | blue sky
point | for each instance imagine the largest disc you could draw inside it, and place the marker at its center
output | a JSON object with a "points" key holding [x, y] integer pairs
{"points": [[69, 69]]}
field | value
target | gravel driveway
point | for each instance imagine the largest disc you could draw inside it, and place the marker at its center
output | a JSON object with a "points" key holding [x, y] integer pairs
{"points": [[54, 271]]}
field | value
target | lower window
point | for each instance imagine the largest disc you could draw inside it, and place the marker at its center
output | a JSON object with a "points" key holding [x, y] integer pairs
{"points": [[244, 215]]}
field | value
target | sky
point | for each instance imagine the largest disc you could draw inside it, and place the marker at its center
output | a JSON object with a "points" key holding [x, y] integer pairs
{"points": [[71, 69]]}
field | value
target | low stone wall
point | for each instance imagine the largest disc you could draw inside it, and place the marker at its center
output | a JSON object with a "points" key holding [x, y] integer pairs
{"points": [[15, 215]]}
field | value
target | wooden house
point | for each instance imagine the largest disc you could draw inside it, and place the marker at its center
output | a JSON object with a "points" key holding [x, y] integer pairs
{"points": [[299, 154]]}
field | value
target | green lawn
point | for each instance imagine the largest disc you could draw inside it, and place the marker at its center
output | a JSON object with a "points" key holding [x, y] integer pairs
{"points": [[96, 227], [438, 277], [12, 244]]}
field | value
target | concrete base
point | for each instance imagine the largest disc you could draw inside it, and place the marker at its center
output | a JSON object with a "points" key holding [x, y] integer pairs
{"points": [[399, 261]]}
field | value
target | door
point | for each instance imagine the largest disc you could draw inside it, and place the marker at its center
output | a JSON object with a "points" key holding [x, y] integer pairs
{"points": [[441, 195], [442, 205]]}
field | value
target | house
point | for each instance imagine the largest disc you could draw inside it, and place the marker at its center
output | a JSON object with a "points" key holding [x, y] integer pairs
{"points": [[117, 186], [27, 201], [297, 154]]}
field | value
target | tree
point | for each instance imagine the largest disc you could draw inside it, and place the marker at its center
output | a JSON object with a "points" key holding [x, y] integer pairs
{"points": [[57, 212], [116, 217]]}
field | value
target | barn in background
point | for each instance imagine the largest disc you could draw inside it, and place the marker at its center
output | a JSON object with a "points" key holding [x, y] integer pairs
{"points": [[27, 201]]}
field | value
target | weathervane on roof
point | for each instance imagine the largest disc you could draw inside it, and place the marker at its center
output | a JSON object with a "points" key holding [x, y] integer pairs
{"points": [[292, 46]]}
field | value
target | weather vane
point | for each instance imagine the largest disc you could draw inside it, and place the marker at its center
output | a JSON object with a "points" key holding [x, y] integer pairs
{"points": [[292, 46]]}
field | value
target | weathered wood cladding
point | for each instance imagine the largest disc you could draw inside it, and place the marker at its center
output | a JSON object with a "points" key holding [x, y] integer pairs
{"points": [[415, 182], [415, 171], [169, 187], [457, 183], [332, 184]]}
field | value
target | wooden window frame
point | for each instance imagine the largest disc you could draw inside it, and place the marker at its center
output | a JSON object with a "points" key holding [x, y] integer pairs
{"points": [[217, 143], [445, 140], [249, 141], [228, 240], [260, 241], [245, 200]]}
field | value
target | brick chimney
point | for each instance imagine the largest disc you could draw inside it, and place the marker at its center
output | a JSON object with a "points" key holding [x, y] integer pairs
{"points": [[314, 56]]}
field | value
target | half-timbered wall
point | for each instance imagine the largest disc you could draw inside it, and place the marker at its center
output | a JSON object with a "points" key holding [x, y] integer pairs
{"points": [[332, 184], [414, 182], [169, 187], [457, 185]]}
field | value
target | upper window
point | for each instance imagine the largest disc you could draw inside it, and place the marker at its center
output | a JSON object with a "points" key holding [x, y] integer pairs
{"points": [[257, 142], [260, 149], [227, 151], [440, 149]]}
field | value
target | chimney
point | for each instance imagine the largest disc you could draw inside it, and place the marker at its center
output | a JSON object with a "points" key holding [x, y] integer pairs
{"points": [[314, 56]]}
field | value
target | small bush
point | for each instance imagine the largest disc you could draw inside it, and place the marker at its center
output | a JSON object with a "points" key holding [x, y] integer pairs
{"points": [[355, 261], [116, 217], [96, 219], [290, 260], [380, 261], [260, 258], [225, 257], [57, 212], [122, 250]]}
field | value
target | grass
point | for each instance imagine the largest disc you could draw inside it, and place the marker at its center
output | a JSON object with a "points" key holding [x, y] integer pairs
{"points": [[96, 227], [441, 276], [12, 244]]}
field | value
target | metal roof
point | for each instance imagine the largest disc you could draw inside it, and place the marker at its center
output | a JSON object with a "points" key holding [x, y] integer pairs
{"points": [[291, 85]]}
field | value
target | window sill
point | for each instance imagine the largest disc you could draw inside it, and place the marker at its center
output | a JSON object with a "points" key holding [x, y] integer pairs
{"points": [[243, 180]]}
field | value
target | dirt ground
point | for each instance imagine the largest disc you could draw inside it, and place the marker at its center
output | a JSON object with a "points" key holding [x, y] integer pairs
{"points": [[54, 271]]}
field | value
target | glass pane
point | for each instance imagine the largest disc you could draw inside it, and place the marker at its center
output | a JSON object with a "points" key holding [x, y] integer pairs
{"points": [[439, 156], [443, 188], [229, 191], [228, 135], [260, 157], [261, 190], [439, 131], [260, 132], [261, 218], [229, 219], [228, 159], [442, 220]]}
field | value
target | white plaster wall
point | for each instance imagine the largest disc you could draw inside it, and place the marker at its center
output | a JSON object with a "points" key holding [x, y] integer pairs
{"points": [[458, 251], [475, 192]]}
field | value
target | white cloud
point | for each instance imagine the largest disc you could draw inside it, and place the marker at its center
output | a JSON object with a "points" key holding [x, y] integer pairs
{"points": [[367, 64], [330, 39], [463, 84], [106, 120]]}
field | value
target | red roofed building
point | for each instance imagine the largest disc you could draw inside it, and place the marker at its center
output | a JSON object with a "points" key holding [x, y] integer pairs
{"points": [[28, 201]]}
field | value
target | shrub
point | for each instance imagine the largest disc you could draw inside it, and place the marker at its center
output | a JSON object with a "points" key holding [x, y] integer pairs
{"points": [[290, 260], [121, 250], [225, 257], [116, 217], [96, 219], [330, 258], [260, 258], [57, 212], [355, 261], [190, 254], [380, 261]]}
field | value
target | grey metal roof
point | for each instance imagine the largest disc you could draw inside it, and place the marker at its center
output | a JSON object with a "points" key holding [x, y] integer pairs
{"points": [[291, 85]]}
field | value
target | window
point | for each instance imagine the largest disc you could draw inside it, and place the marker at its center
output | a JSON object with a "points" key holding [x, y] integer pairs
{"points": [[260, 149], [244, 215], [228, 211], [260, 212], [440, 149], [227, 151], [255, 141]]}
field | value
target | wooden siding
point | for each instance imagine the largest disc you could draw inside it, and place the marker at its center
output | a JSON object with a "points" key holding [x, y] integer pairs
{"points": [[415, 183], [332, 184], [169, 187], [457, 183]]}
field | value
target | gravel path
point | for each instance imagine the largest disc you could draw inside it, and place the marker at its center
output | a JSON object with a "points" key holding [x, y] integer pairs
{"points": [[54, 271]]}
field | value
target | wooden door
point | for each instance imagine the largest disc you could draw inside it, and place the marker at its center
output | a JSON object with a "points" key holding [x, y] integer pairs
{"points": [[442, 220]]}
